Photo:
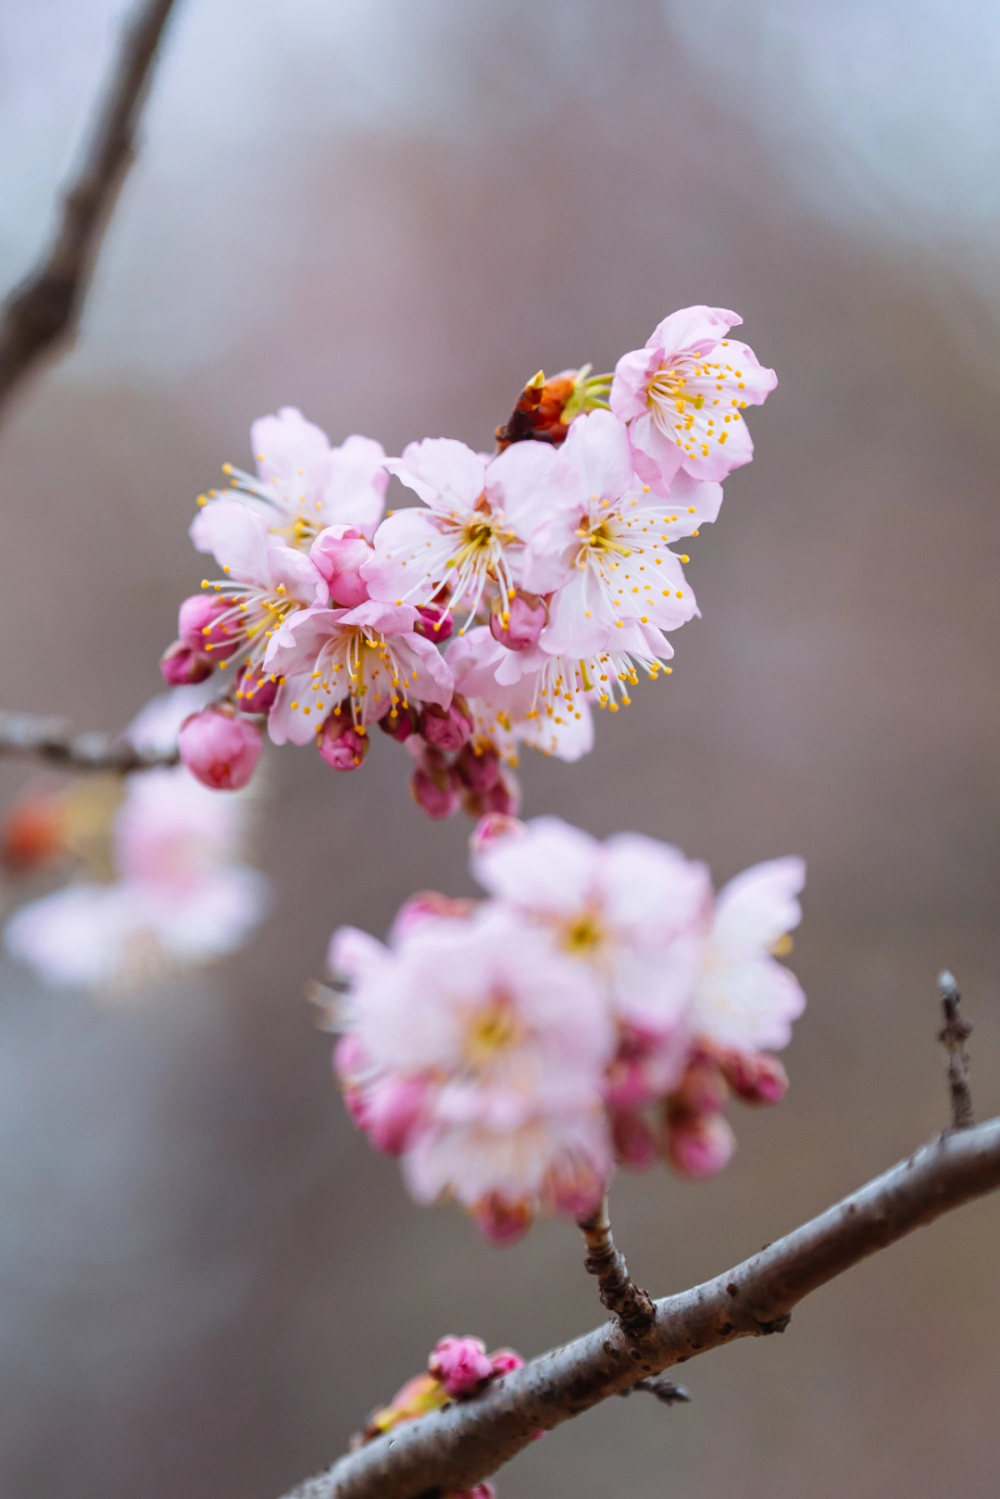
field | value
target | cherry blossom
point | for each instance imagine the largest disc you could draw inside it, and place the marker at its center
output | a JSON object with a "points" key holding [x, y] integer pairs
{"points": [[683, 396], [303, 484], [473, 534], [178, 899], [507, 1040]]}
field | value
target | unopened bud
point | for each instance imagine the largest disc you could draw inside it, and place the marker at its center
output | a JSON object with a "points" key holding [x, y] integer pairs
{"points": [[461, 1364], [219, 749], [434, 785], [180, 666], [198, 622], [699, 1145], [428, 905], [505, 1361], [393, 1111], [339, 553], [447, 728], [399, 723], [503, 798], [255, 691], [756, 1078], [703, 1088], [435, 623], [633, 1139], [478, 767], [518, 624], [502, 1222], [493, 827], [342, 746]]}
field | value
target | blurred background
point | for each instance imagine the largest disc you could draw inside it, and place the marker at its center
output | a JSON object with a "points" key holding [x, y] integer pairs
{"points": [[390, 214]]}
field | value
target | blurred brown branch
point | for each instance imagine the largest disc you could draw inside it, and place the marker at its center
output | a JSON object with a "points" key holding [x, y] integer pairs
{"points": [[46, 305], [953, 1037], [463, 1444], [52, 739]]}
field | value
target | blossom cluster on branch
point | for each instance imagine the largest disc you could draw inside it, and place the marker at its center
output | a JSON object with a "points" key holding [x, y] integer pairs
{"points": [[600, 1007], [520, 590]]}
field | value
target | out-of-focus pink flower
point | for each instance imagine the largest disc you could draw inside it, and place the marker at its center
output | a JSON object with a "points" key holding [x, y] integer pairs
{"points": [[683, 394], [518, 624], [493, 826], [478, 767], [179, 897], [635, 1145], [474, 531], [339, 553], [745, 999], [428, 905], [368, 656], [342, 746], [303, 485], [180, 666], [755, 1078], [511, 1041], [219, 749], [505, 1361], [631, 909], [446, 728], [502, 798], [461, 1364]]}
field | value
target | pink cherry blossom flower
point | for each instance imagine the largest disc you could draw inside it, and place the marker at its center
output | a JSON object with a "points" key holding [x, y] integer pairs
{"points": [[179, 898], [303, 485], [510, 1040], [369, 657], [745, 999], [683, 394], [265, 583], [472, 537], [516, 709], [631, 909], [614, 543]]}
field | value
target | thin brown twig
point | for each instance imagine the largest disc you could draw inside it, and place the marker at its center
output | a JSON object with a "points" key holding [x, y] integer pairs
{"points": [[662, 1389], [46, 306], [629, 1303], [953, 1037], [462, 1445], [27, 735]]}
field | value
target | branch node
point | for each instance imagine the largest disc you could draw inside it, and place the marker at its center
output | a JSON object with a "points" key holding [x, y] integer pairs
{"points": [[632, 1307], [662, 1389], [953, 1036]]}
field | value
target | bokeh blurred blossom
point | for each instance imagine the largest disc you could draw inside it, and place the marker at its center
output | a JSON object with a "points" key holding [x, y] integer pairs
{"points": [[548, 568], [600, 1007]]}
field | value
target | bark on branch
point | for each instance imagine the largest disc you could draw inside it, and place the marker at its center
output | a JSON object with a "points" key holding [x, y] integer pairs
{"points": [[462, 1445], [45, 307], [632, 1306], [29, 736]]}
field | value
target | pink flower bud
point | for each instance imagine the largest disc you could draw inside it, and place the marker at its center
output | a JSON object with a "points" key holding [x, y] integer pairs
{"points": [[519, 625], [481, 1491], [219, 749], [255, 691], [399, 723], [505, 1361], [502, 1222], [197, 622], [478, 768], [393, 1113], [755, 1078], [435, 623], [491, 827], [633, 1139], [461, 1365], [339, 553], [180, 666], [428, 905], [702, 1089], [699, 1145], [342, 746], [446, 728], [503, 798], [434, 785]]}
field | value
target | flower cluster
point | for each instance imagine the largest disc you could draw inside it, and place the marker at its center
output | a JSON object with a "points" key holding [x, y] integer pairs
{"points": [[520, 590], [158, 884], [458, 1369], [601, 1006]]}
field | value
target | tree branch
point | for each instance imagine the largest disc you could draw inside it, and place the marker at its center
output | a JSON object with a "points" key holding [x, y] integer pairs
{"points": [[953, 1037], [632, 1306], [460, 1446], [46, 306], [52, 739]]}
